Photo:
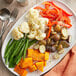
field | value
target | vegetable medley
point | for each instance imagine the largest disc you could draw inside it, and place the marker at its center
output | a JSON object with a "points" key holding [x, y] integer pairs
{"points": [[44, 32]]}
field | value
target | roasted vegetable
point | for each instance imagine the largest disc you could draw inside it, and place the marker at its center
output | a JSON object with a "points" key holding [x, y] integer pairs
{"points": [[55, 37], [52, 29], [48, 41], [40, 66], [16, 50], [64, 38], [60, 47], [48, 48], [8, 44], [42, 48], [53, 48], [20, 71], [36, 46], [32, 42], [57, 28], [10, 48], [64, 33], [53, 33], [65, 44], [42, 42], [25, 63], [36, 55], [17, 59], [32, 68], [57, 43], [26, 47], [46, 55]]}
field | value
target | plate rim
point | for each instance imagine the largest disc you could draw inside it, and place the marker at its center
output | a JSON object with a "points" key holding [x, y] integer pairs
{"points": [[61, 2]]}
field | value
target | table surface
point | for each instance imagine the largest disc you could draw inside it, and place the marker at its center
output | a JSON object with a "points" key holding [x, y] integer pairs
{"points": [[3, 70]]}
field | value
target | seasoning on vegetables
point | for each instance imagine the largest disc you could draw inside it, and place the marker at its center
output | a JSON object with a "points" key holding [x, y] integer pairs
{"points": [[42, 49]]}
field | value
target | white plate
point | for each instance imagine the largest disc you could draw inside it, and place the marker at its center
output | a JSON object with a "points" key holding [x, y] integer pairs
{"points": [[51, 64]]}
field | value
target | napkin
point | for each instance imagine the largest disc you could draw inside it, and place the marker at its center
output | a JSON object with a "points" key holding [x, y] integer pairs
{"points": [[67, 67]]}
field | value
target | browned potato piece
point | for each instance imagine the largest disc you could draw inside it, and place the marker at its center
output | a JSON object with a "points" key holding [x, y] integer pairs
{"points": [[50, 42], [60, 47], [53, 33], [64, 33], [53, 48], [65, 44], [57, 28], [57, 42], [48, 48], [64, 38], [56, 37], [42, 42]]}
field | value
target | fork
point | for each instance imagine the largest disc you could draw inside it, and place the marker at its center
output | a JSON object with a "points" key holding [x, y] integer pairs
{"points": [[11, 19]]}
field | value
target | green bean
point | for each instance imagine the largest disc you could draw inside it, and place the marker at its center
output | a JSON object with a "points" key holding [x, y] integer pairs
{"points": [[26, 47], [19, 48], [16, 50], [18, 60], [31, 42], [8, 44], [20, 55], [10, 48], [11, 64]]}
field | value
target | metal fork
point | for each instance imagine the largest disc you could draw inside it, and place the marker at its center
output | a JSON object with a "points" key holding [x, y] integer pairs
{"points": [[11, 19]]}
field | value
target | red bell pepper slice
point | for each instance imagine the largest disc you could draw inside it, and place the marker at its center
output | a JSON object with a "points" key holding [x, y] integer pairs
{"points": [[38, 7], [50, 24], [48, 35], [66, 19], [64, 12], [46, 15]]}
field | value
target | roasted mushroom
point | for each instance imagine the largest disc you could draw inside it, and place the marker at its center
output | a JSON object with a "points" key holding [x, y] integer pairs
{"points": [[57, 42], [50, 42], [53, 48], [64, 33], [65, 44], [53, 33], [57, 28], [42, 42], [60, 47], [55, 37], [48, 48]]}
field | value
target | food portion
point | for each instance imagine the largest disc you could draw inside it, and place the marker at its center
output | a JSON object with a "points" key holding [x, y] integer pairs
{"points": [[45, 32]]}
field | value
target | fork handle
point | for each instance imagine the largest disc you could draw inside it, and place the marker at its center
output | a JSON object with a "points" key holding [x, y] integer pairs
{"points": [[3, 29]]}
